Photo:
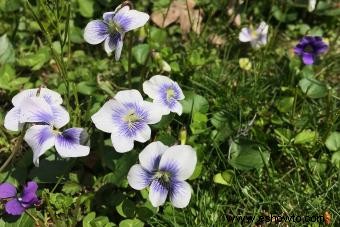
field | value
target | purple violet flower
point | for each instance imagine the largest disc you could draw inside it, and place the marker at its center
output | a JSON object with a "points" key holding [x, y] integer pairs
{"points": [[45, 133], [127, 118], [113, 27], [165, 170], [164, 92], [15, 204], [309, 48]]}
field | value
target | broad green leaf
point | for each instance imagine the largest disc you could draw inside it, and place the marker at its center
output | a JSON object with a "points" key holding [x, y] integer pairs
{"points": [[318, 167], [126, 208], [246, 155], [199, 123], [333, 141], [86, 8], [194, 103], [7, 53], [7, 74], [225, 178], [197, 171], [36, 60], [141, 53], [88, 218], [285, 104], [131, 223], [313, 88], [101, 221], [13, 221], [306, 136], [71, 188], [336, 159], [86, 88]]}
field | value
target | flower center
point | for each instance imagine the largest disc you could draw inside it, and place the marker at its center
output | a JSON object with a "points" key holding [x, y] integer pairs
{"points": [[170, 93], [254, 34], [131, 117], [308, 49], [163, 176], [113, 27]]}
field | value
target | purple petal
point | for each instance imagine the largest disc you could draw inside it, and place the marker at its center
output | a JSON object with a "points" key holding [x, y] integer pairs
{"points": [[308, 58], [138, 177], [150, 156], [158, 193], [111, 42], [68, 143], [7, 190], [96, 32], [29, 194], [130, 19], [245, 35], [298, 49], [180, 194], [14, 207], [321, 48], [36, 110], [40, 138]]}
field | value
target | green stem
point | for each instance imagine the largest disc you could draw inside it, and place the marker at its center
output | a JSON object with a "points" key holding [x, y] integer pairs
{"points": [[16, 149]]}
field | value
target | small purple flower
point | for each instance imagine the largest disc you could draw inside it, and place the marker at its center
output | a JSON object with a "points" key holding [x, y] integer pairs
{"points": [[45, 133], [12, 118], [113, 28], [257, 38], [165, 170], [127, 117], [15, 204], [309, 48], [164, 92]]}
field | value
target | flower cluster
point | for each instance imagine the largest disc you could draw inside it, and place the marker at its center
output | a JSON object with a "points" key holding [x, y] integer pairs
{"points": [[127, 115], [15, 204], [42, 108]]}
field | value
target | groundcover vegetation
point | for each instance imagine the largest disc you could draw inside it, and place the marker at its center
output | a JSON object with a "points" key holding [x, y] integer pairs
{"points": [[169, 113]]}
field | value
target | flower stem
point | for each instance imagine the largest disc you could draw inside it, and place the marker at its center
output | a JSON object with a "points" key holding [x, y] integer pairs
{"points": [[130, 60], [16, 149]]}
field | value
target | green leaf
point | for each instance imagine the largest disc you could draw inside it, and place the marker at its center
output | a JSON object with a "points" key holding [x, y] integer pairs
{"points": [[36, 60], [101, 221], [317, 167], [86, 88], [306, 136], [246, 155], [14, 221], [126, 208], [88, 218], [333, 141], [197, 171], [86, 8], [336, 159], [7, 74], [285, 104], [194, 103], [7, 53], [225, 178], [313, 88], [141, 52], [71, 188], [131, 223], [199, 123]]}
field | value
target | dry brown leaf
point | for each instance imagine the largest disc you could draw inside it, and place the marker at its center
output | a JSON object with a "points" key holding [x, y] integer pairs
{"points": [[178, 12], [217, 39]]}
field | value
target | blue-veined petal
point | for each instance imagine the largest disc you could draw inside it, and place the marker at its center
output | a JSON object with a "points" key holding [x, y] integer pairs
{"points": [[112, 41], [68, 144], [119, 47], [182, 157], [143, 134], [131, 19], [180, 194], [14, 207], [51, 97], [60, 116], [104, 118], [245, 35], [121, 143], [12, 119], [157, 193], [150, 156], [40, 138], [35, 110], [96, 32], [7, 190], [138, 177], [129, 96]]}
